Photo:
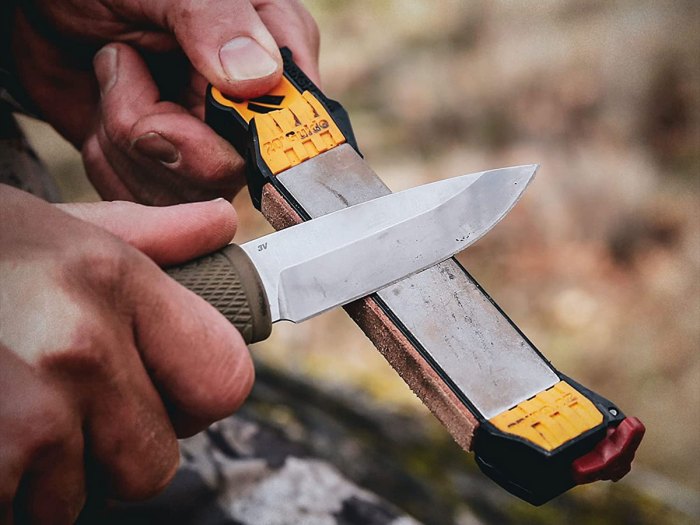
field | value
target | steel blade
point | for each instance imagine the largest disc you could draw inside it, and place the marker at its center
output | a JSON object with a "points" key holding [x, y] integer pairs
{"points": [[337, 258]]}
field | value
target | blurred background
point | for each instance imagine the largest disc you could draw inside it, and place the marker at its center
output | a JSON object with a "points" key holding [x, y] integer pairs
{"points": [[599, 264]]}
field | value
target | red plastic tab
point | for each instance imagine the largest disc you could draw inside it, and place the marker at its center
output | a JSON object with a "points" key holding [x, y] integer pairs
{"points": [[612, 457]]}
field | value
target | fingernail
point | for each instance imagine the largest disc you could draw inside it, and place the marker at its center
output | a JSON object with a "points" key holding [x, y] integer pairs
{"points": [[154, 145], [244, 59], [106, 68]]}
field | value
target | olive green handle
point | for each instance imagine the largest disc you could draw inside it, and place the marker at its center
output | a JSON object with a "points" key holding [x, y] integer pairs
{"points": [[228, 281]]}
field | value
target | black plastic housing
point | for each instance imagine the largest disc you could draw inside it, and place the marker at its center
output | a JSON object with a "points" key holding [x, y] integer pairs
{"points": [[228, 123], [530, 472]]}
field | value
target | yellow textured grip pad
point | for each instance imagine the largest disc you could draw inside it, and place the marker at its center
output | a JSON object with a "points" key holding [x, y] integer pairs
{"points": [[292, 126], [296, 133], [281, 96], [551, 418]]}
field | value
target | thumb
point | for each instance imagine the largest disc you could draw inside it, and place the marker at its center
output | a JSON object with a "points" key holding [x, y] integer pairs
{"points": [[168, 235], [226, 42]]}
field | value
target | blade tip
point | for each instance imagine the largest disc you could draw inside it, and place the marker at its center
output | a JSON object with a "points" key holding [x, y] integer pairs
{"points": [[524, 172], [531, 168]]}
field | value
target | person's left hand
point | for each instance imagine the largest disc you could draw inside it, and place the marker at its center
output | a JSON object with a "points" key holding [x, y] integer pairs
{"points": [[105, 359], [139, 122]]}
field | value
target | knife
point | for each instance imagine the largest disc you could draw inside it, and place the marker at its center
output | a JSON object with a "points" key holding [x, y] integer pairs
{"points": [[304, 270], [532, 429]]}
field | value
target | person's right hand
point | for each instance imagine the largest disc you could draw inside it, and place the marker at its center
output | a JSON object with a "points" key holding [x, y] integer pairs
{"points": [[139, 122], [104, 359]]}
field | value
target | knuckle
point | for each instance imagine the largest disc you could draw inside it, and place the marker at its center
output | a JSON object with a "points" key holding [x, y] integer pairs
{"points": [[104, 263], [91, 152], [118, 123], [227, 169], [82, 357], [94, 277], [91, 277], [49, 422], [185, 14]]}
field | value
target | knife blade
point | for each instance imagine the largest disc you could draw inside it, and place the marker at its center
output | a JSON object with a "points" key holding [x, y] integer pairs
{"points": [[302, 271]]}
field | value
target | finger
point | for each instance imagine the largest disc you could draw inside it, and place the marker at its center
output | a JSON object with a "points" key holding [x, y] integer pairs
{"points": [[292, 26], [105, 180], [225, 41], [53, 491], [197, 359], [168, 235], [133, 447], [162, 153], [153, 182], [130, 442], [41, 449], [201, 157], [193, 97]]}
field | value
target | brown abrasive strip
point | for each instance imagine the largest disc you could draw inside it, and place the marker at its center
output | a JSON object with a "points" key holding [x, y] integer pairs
{"points": [[391, 342]]}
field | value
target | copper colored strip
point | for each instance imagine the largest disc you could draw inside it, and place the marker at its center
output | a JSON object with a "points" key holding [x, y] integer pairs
{"points": [[278, 212]]}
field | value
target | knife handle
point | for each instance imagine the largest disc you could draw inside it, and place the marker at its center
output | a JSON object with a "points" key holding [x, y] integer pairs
{"points": [[281, 129], [228, 281]]}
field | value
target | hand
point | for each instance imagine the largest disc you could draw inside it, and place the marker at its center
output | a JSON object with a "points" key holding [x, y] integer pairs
{"points": [[141, 130], [104, 359]]}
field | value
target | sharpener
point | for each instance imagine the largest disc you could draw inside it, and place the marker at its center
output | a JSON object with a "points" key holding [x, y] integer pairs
{"points": [[532, 430]]}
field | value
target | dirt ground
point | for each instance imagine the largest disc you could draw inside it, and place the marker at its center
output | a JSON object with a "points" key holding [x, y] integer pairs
{"points": [[600, 262]]}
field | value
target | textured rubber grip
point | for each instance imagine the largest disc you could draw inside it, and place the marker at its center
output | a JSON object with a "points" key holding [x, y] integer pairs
{"points": [[228, 281]]}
